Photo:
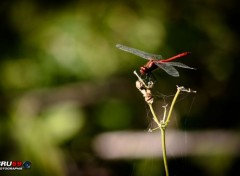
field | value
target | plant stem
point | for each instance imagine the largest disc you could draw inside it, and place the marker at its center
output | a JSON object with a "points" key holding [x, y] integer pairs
{"points": [[146, 91], [154, 115], [164, 150], [172, 105], [162, 125]]}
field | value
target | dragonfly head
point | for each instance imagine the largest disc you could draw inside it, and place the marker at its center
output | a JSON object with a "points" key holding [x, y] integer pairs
{"points": [[143, 70]]}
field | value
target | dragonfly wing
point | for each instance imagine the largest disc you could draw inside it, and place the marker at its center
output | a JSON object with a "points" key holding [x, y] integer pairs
{"points": [[168, 69], [139, 53], [179, 64]]}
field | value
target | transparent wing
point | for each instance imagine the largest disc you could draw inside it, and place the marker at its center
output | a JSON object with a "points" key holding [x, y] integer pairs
{"points": [[139, 53], [168, 69], [178, 64]]}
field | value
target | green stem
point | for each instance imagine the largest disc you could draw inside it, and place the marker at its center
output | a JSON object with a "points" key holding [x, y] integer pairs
{"points": [[162, 128], [154, 115], [172, 105], [164, 150], [162, 125]]}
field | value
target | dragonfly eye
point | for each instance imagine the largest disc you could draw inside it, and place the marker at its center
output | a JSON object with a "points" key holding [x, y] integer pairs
{"points": [[143, 70]]}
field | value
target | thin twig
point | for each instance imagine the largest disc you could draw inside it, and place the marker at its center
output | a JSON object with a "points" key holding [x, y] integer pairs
{"points": [[145, 89]]}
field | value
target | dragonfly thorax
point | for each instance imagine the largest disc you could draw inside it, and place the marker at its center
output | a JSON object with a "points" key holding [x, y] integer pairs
{"points": [[148, 67]]}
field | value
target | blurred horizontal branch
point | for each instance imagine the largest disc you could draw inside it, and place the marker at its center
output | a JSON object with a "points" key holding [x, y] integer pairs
{"points": [[83, 94], [129, 144]]}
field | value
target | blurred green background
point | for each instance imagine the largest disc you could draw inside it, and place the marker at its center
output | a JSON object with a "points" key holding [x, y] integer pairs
{"points": [[63, 81]]}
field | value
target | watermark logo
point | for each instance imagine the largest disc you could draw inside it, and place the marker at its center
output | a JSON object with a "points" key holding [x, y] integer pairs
{"points": [[15, 165]]}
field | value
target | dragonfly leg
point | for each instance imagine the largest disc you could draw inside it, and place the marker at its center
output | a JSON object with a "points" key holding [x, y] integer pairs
{"points": [[145, 81], [150, 78]]}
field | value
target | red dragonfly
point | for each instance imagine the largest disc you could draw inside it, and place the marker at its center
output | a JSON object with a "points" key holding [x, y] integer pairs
{"points": [[156, 61]]}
